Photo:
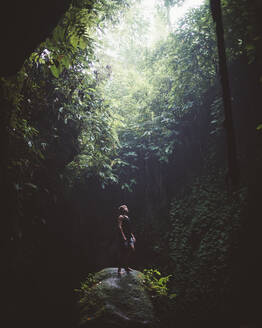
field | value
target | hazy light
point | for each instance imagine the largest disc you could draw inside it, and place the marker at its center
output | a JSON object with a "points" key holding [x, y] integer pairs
{"points": [[155, 31], [176, 13], [179, 11]]}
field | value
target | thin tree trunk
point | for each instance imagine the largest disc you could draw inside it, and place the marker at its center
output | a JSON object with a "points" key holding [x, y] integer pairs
{"points": [[233, 172]]}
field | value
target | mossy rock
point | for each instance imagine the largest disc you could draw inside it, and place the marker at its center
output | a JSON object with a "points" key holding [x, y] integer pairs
{"points": [[116, 301]]}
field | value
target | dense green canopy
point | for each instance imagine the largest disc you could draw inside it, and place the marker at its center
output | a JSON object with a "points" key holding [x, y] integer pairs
{"points": [[123, 104]]}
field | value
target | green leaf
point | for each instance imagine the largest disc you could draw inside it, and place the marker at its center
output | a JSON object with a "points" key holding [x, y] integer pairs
{"points": [[83, 43], [259, 127], [74, 41], [66, 62], [54, 71], [250, 47], [172, 296]]}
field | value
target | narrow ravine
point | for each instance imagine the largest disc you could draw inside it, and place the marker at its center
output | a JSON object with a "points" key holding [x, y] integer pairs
{"points": [[121, 103]]}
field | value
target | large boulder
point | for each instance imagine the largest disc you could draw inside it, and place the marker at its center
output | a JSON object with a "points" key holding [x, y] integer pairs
{"points": [[113, 300]]}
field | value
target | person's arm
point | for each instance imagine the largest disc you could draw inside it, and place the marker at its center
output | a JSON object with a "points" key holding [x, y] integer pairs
{"points": [[133, 237], [120, 218]]}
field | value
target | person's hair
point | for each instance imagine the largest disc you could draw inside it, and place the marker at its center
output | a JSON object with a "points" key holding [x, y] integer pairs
{"points": [[122, 209]]}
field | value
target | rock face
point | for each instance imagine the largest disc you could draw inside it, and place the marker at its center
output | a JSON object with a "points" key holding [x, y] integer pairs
{"points": [[23, 26], [117, 301]]}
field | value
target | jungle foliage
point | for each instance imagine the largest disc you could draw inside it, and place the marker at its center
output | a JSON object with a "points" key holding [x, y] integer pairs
{"points": [[172, 139], [111, 109], [53, 115]]}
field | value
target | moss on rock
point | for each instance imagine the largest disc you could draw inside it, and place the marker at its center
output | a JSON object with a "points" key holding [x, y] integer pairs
{"points": [[116, 301]]}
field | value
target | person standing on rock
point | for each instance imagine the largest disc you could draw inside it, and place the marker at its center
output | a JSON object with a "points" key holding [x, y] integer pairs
{"points": [[126, 239]]}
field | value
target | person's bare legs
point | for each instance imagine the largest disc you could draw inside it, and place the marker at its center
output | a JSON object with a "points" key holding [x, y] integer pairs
{"points": [[128, 254], [124, 256], [131, 250], [121, 260]]}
